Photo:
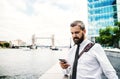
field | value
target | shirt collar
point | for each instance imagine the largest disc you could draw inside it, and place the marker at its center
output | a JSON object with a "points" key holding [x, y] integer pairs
{"points": [[85, 42]]}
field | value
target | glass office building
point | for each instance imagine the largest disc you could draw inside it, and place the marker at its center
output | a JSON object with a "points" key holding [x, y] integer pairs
{"points": [[102, 13]]}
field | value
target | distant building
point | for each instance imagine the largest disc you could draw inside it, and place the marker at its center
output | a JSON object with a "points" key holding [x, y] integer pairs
{"points": [[2, 42], [102, 13], [17, 42]]}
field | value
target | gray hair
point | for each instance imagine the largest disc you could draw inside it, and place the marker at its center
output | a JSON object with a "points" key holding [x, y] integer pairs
{"points": [[78, 23]]}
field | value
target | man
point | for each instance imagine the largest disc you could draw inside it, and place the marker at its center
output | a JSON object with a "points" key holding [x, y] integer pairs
{"points": [[91, 64]]}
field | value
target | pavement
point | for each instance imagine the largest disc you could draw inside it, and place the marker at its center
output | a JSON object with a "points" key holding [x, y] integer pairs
{"points": [[54, 73]]}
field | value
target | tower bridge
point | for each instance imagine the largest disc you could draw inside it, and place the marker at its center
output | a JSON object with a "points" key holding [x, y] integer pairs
{"points": [[35, 38]]}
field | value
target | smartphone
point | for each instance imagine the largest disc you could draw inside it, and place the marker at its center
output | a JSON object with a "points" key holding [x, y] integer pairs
{"points": [[63, 60]]}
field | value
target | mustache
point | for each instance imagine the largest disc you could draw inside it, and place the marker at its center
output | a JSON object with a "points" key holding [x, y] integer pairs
{"points": [[75, 38]]}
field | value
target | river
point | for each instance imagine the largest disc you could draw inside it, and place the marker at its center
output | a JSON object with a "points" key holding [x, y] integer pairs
{"points": [[27, 63], [31, 64]]}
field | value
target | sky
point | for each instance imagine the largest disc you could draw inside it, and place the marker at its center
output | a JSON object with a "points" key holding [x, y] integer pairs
{"points": [[20, 19]]}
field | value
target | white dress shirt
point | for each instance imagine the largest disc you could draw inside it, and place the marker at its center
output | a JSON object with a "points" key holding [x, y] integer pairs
{"points": [[92, 63]]}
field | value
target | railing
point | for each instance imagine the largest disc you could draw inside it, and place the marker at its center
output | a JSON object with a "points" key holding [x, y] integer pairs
{"points": [[113, 52]]}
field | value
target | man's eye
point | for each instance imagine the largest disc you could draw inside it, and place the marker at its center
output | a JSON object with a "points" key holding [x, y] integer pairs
{"points": [[76, 32]]}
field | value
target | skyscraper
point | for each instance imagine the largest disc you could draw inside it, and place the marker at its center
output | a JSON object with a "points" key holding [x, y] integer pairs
{"points": [[102, 13]]}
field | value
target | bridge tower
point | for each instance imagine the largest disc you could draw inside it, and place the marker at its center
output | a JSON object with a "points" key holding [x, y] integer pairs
{"points": [[35, 38]]}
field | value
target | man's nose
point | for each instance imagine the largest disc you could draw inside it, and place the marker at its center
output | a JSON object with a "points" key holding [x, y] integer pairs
{"points": [[74, 35]]}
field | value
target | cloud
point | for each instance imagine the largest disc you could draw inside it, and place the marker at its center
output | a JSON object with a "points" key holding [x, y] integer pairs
{"points": [[22, 18]]}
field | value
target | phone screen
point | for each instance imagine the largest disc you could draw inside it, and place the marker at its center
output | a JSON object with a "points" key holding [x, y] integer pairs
{"points": [[63, 60]]}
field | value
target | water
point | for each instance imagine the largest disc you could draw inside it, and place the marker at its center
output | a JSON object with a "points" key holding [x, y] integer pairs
{"points": [[31, 64], [26, 63]]}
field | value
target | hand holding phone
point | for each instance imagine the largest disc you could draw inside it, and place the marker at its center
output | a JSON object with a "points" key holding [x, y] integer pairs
{"points": [[63, 63]]}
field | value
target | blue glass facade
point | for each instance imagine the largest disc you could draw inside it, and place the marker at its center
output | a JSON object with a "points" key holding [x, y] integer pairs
{"points": [[101, 13]]}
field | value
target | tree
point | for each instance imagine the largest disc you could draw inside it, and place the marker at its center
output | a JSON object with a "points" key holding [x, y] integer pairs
{"points": [[118, 33], [1, 45], [6, 45], [110, 36], [117, 24], [105, 37]]}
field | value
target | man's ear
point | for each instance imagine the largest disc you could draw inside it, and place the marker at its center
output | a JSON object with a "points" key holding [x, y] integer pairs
{"points": [[84, 31]]}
